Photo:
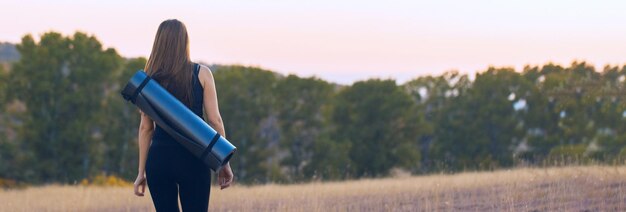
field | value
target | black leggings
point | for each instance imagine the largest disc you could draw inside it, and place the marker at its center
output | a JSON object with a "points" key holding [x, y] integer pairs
{"points": [[170, 169]]}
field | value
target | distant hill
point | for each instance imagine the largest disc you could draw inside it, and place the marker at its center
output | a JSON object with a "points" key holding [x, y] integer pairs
{"points": [[8, 52]]}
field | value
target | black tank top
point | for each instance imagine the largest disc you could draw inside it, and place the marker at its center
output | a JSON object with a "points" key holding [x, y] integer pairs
{"points": [[160, 136]]}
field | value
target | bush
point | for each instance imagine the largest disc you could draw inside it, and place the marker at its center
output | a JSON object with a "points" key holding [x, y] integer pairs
{"points": [[103, 180], [10, 184]]}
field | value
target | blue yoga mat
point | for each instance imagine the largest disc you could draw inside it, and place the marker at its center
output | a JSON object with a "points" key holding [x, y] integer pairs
{"points": [[178, 121]]}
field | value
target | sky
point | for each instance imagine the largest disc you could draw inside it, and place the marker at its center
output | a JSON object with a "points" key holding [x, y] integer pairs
{"points": [[349, 40]]}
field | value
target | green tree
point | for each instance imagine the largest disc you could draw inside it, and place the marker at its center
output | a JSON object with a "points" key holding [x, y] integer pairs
{"points": [[330, 159], [572, 109], [606, 107], [376, 119], [480, 127], [432, 94], [60, 80], [245, 97], [540, 117], [122, 122], [7, 149], [300, 103], [3, 85]]}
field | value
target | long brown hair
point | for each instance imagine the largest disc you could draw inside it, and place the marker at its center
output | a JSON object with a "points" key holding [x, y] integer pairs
{"points": [[169, 62]]}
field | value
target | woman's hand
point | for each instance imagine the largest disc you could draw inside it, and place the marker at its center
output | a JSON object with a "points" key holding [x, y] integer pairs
{"points": [[140, 182], [225, 176]]}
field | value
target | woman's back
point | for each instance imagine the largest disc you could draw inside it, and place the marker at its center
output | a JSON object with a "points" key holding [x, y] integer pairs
{"points": [[161, 137]]}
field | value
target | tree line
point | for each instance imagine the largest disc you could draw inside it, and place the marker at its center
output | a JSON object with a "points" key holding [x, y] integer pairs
{"points": [[63, 119]]}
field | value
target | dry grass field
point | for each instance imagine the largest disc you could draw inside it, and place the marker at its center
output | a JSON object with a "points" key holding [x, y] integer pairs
{"points": [[591, 188]]}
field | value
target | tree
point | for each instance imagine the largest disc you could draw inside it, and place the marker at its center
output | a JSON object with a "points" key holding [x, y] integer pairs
{"points": [[300, 103], [60, 81], [572, 107], [122, 123], [245, 97], [376, 119], [7, 149], [481, 126], [432, 94]]}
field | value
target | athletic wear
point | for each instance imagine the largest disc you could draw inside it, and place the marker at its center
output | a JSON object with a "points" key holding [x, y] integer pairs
{"points": [[171, 169]]}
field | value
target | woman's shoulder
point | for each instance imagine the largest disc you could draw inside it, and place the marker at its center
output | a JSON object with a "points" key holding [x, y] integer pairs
{"points": [[204, 67], [205, 75]]}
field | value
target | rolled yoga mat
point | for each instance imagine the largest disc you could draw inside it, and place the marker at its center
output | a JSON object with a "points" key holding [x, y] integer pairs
{"points": [[178, 121]]}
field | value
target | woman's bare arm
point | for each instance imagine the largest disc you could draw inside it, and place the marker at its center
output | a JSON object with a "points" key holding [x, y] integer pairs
{"points": [[225, 176], [210, 100], [146, 129]]}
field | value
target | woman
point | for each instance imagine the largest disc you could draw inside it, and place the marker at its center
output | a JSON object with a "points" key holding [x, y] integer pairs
{"points": [[166, 166]]}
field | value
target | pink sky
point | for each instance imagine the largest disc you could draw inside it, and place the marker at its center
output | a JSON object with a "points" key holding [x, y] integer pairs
{"points": [[348, 40]]}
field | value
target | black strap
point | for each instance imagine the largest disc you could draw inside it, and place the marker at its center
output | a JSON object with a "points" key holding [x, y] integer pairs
{"points": [[143, 84], [196, 69], [213, 140], [210, 147]]}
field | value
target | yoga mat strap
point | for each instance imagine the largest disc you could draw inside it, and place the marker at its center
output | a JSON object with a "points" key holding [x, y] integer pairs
{"points": [[143, 84], [130, 92], [210, 147]]}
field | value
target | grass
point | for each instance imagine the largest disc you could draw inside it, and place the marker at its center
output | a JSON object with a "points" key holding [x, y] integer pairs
{"points": [[593, 188]]}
